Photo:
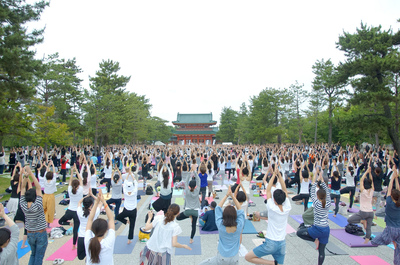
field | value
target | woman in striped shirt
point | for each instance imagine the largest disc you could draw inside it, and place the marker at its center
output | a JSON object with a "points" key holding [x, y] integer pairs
{"points": [[319, 232]]}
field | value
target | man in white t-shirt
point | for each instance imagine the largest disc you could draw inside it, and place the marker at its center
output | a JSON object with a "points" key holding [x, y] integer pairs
{"points": [[278, 207]]}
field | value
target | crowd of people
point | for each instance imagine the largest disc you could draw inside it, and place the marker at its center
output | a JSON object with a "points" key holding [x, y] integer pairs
{"points": [[370, 175]]}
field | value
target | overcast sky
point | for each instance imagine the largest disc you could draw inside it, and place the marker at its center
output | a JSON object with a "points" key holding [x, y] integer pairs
{"points": [[199, 56]]}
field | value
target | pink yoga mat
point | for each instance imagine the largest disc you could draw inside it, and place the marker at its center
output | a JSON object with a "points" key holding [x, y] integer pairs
{"points": [[369, 260], [65, 252], [210, 199], [53, 224]]}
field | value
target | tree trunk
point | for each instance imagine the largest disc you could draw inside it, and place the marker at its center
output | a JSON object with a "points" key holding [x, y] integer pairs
{"points": [[394, 136], [376, 141], [316, 127], [279, 137], [96, 135], [1, 142], [397, 104], [330, 121]]}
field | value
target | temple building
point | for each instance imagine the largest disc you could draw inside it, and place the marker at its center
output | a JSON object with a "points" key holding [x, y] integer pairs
{"points": [[194, 129]]}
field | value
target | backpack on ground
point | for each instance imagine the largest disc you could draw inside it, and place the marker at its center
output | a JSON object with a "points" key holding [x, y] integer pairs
{"points": [[149, 190], [354, 230]]}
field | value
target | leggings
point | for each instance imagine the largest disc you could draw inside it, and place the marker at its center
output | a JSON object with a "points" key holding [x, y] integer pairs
{"points": [[300, 197], [337, 197], [203, 196], [81, 248], [132, 219], [351, 191], [367, 216], [182, 216], [68, 216], [293, 181], [117, 205], [210, 187], [108, 184], [303, 234]]}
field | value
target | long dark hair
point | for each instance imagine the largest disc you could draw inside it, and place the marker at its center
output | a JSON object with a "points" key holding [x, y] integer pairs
{"points": [[396, 196], [321, 193], [99, 228], [165, 178], [170, 214], [85, 177], [87, 203]]}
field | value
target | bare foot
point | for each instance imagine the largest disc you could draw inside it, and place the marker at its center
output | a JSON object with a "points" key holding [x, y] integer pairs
{"points": [[127, 222], [316, 243], [129, 241], [394, 244], [366, 241], [73, 246], [334, 215], [364, 223], [24, 246], [191, 241]]}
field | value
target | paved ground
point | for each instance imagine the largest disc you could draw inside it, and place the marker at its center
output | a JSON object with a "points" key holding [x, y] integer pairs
{"points": [[297, 251]]}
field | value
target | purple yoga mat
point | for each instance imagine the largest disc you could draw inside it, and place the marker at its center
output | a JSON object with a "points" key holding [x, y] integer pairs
{"points": [[349, 239], [353, 210], [208, 232], [298, 218]]}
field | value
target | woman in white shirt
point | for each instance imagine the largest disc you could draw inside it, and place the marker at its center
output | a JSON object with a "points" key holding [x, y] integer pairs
{"points": [[165, 178], [99, 246], [75, 192], [221, 169], [86, 176], [304, 186], [160, 246], [130, 203], [210, 177], [49, 202], [83, 215]]}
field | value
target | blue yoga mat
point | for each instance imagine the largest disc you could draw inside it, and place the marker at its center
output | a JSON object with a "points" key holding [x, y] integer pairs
{"points": [[249, 228], [340, 220], [22, 252], [121, 246], [196, 246]]}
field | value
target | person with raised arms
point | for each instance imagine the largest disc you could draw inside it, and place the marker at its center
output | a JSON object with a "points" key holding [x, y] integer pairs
{"points": [[100, 236], [230, 225], [278, 207]]}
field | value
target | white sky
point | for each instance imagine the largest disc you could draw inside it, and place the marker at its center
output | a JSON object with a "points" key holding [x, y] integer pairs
{"points": [[199, 56]]}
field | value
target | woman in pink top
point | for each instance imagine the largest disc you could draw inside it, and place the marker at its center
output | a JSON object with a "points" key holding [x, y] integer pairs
{"points": [[366, 214]]}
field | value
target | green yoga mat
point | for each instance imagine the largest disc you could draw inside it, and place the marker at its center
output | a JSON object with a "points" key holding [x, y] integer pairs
{"points": [[180, 201]]}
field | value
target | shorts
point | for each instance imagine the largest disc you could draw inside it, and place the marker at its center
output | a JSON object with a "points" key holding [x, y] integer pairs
{"points": [[322, 233], [270, 247]]}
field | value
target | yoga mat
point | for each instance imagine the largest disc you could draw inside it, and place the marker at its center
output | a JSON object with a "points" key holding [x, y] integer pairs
{"points": [[249, 228], [380, 222], [141, 192], [101, 186], [65, 252], [330, 250], [215, 183], [208, 232], [121, 245], [220, 187], [298, 218], [154, 198], [180, 201], [52, 225], [369, 260], [353, 210], [117, 225], [209, 199], [177, 192], [22, 252], [349, 239], [6, 211], [345, 195], [242, 251], [340, 220], [196, 246], [258, 241]]}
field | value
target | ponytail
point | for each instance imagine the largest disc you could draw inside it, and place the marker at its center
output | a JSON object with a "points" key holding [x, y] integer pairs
{"points": [[5, 235], [99, 228], [87, 203], [94, 250], [321, 194], [170, 214], [85, 177], [75, 185]]}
